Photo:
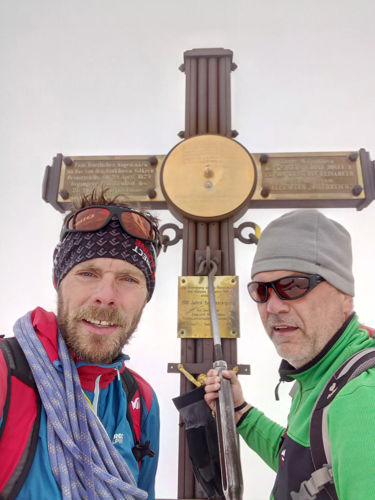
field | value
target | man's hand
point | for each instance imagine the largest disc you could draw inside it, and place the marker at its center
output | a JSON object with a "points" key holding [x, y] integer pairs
{"points": [[213, 386]]}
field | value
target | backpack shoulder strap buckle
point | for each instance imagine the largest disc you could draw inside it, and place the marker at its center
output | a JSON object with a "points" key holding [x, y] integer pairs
{"points": [[141, 450], [310, 488], [130, 386]]}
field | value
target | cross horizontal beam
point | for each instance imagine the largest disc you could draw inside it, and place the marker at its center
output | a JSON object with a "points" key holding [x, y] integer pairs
{"points": [[315, 179]]}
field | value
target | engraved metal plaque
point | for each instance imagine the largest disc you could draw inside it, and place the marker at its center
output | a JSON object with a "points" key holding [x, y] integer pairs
{"points": [[194, 311], [208, 176], [220, 178], [131, 178], [294, 176]]}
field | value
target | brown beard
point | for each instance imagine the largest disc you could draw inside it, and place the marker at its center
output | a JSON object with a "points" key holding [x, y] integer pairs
{"points": [[95, 348]]}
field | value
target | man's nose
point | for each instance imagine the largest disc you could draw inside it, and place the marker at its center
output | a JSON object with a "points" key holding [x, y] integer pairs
{"points": [[105, 293], [276, 305]]}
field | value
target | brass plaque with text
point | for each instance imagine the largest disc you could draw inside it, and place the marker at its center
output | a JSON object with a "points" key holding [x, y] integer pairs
{"points": [[193, 306], [221, 176], [295, 176], [131, 178]]}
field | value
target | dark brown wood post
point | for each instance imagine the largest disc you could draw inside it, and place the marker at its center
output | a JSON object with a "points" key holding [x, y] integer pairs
{"points": [[208, 110]]}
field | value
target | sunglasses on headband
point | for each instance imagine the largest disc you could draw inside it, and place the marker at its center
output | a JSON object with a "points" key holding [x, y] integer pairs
{"points": [[95, 217], [287, 288]]}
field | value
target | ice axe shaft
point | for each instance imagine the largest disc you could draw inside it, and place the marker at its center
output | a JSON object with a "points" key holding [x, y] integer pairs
{"points": [[230, 462]]}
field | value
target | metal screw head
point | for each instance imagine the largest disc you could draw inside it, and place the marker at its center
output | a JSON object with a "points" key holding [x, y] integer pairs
{"points": [[265, 192], [234, 133], [68, 161], [153, 161], [182, 67], [64, 194], [208, 172], [208, 185], [353, 156], [263, 158], [182, 332], [181, 134], [357, 190], [151, 193]]}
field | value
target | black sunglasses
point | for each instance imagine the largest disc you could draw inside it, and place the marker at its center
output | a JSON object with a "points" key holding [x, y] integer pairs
{"points": [[95, 217], [287, 288]]}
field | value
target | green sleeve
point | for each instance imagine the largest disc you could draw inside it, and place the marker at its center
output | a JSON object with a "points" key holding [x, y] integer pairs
{"points": [[263, 436], [351, 430]]}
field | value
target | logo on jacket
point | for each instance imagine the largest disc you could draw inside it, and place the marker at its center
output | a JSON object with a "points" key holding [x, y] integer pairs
{"points": [[332, 389], [118, 438], [136, 403], [282, 457]]}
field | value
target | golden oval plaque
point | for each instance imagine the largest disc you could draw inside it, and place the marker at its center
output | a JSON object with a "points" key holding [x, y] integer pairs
{"points": [[208, 176]]}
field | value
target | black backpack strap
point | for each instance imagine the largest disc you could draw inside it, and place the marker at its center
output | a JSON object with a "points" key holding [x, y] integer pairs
{"points": [[16, 361], [130, 386], [322, 477], [19, 367]]}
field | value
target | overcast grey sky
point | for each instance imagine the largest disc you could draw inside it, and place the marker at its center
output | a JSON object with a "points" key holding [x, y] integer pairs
{"points": [[101, 77]]}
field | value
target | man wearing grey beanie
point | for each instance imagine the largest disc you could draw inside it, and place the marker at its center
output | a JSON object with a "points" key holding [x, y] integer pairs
{"points": [[303, 285], [75, 422]]}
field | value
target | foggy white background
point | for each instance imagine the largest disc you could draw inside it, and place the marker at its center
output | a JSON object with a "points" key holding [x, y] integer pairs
{"points": [[95, 77]]}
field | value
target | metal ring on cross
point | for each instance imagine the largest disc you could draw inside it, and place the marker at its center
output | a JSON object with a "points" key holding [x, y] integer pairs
{"points": [[208, 176]]}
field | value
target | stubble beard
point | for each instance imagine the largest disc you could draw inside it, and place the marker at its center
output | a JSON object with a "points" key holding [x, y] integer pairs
{"points": [[294, 350], [99, 349]]}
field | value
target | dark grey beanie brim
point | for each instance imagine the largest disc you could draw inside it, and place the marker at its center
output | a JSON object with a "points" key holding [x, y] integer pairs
{"points": [[307, 241]]}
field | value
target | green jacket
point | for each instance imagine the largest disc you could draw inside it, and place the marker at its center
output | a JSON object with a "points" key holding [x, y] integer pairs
{"points": [[351, 423]]}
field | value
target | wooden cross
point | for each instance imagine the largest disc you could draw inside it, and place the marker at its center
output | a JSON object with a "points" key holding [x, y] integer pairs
{"points": [[208, 181]]}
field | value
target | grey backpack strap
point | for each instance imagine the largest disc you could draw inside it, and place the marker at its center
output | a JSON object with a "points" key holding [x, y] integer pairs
{"points": [[319, 438], [293, 391]]}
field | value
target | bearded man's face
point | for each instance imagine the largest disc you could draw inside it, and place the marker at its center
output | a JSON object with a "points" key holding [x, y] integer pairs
{"points": [[100, 302]]}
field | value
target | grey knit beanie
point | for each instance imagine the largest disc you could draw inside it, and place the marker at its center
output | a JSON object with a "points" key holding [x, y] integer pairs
{"points": [[307, 241]]}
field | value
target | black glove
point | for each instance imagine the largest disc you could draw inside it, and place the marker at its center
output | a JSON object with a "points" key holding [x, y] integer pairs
{"points": [[201, 435]]}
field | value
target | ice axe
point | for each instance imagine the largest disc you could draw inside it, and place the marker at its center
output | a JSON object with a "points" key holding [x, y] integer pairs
{"points": [[230, 462]]}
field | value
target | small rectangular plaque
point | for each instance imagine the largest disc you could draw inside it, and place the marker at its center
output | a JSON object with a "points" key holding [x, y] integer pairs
{"points": [[193, 306], [131, 178], [299, 176]]}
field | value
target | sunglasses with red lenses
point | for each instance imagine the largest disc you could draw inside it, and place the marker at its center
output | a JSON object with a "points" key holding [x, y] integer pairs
{"points": [[95, 217], [287, 288]]}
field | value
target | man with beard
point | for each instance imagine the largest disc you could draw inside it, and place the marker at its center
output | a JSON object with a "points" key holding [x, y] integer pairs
{"points": [[303, 285], [87, 439]]}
